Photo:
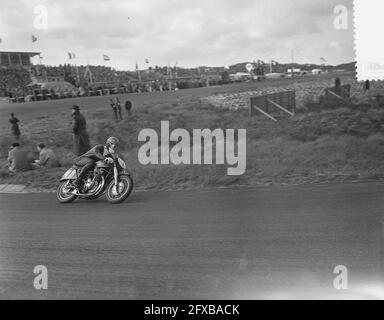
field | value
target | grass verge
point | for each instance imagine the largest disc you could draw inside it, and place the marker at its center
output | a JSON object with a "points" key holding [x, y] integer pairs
{"points": [[340, 144]]}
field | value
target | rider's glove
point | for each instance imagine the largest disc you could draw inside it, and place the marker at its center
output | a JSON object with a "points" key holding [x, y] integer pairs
{"points": [[108, 160]]}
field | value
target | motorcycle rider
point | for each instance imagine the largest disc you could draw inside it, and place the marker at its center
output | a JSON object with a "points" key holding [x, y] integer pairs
{"points": [[98, 153]]}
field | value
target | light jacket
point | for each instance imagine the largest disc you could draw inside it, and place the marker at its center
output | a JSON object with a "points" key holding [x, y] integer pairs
{"points": [[47, 158]]}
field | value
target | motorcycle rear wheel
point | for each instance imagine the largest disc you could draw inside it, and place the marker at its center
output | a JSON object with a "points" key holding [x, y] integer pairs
{"points": [[65, 196], [118, 196]]}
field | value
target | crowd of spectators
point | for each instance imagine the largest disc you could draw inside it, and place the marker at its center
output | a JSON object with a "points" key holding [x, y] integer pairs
{"points": [[41, 82], [90, 74], [14, 81]]}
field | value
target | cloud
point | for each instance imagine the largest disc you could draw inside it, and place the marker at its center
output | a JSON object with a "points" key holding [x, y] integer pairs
{"points": [[197, 32]]}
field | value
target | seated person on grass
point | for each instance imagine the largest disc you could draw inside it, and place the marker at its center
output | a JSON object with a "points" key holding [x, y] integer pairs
{"points": [[18, 159], [47, 158]]}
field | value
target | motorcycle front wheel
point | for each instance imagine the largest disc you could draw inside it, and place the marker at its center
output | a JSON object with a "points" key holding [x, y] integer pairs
{"points": [[64, 194], [117, 194]]}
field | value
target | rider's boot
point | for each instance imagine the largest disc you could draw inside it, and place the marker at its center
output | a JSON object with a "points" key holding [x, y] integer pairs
{"points": [[77, 184]]}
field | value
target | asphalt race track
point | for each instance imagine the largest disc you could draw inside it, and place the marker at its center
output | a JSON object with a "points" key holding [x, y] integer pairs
{"points": [[269, 242]]}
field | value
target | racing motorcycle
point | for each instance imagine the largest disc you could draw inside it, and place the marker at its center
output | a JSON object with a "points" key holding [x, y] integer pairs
{"points": [[111, 179]]}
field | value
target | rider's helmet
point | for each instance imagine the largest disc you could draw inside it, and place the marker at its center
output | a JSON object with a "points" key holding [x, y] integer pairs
{"points": [[112, 144]]}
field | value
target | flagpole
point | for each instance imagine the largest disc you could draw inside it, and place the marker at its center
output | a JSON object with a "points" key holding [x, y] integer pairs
{"points": [[69, 62], [89, 73], [77, 73], [138, 72], [34, 39], [32, 46]]}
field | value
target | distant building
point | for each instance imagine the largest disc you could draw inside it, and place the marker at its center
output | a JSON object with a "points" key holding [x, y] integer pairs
{"points": [[295, 71], [240, 76], [317, 71]]}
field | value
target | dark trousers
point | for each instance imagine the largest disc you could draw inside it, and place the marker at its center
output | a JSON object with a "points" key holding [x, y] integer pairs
{"points": [[115, 113], [87, 164], [81, 142]]}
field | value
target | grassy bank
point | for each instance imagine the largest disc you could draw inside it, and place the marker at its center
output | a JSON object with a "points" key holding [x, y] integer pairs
{"points": [[338, 144]]}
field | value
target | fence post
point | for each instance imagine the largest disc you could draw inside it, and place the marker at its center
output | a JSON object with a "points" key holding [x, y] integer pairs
{"points": [[251, 107]]}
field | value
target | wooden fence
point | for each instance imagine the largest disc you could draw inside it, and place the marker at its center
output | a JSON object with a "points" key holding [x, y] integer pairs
{"points": [[274, 105]]}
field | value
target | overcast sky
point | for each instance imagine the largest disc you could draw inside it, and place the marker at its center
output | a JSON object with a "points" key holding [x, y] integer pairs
{"points": [[193, 33]]}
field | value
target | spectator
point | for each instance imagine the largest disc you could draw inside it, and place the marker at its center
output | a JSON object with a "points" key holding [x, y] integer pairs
{"points": [[118, 106], [338, 89], [47, 158], [80, 135], [337, 83], [18, 159], [367, 86], [114, 108], [128, 107], [15, 126]]}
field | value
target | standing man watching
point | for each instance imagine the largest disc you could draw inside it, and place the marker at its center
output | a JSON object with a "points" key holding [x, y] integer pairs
{"points": [[80, 135], [118, 106], [15, 126], [128, 107], [367, 86], [114, 108]]}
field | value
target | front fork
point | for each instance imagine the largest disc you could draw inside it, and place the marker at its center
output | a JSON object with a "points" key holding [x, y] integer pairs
{"points": [[116, 176]]}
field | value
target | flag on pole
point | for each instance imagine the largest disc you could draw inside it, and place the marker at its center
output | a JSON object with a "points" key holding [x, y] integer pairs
{"points": [[34, 39], [106, 58], [146, 61], [322, 59], [138, 72], [71, 55]]}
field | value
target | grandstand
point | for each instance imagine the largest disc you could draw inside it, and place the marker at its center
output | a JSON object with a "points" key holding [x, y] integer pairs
{"points": [[15, 73], [19, 59]]}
